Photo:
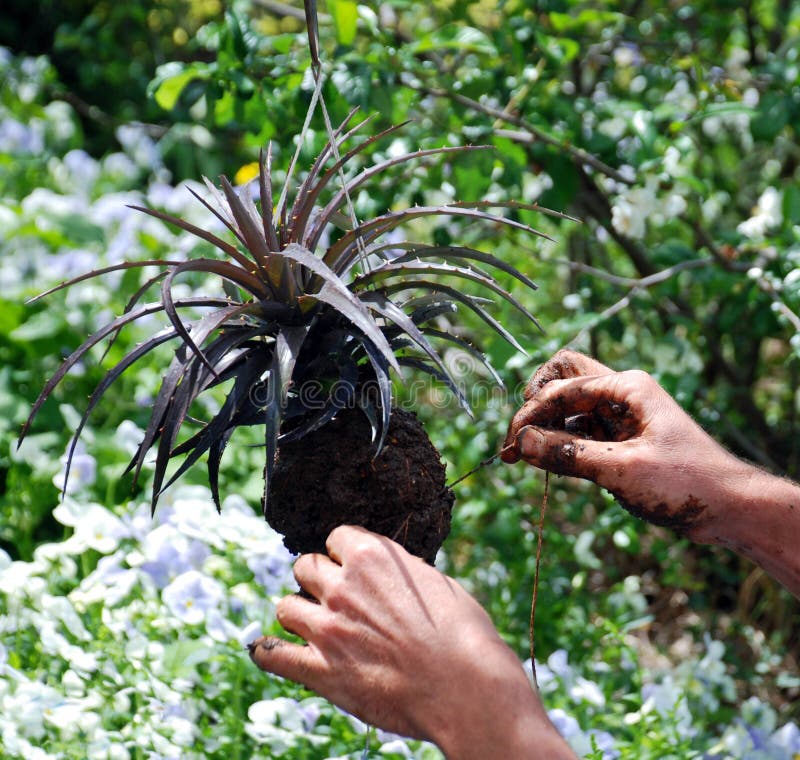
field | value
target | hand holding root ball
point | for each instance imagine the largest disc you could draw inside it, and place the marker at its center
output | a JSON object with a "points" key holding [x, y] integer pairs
{"points": [[402, 646]]}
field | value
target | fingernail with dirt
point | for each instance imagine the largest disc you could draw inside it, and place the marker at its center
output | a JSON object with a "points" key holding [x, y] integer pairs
{"points": [[530, 441]]}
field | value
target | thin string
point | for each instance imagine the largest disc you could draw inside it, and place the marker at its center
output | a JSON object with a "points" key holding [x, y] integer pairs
{"points": [[306, 124], [539, 542], [540, 526], [312, 26], [484, 463]]}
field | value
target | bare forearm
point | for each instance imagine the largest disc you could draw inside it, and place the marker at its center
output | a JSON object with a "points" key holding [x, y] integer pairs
{"points": [[762, 523]]}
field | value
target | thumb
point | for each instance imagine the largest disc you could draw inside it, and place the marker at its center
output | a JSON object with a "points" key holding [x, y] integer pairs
{"points": [[564, 453]]}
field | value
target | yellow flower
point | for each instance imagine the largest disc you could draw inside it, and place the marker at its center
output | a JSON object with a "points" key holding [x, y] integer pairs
{"points": [[246, 173]]}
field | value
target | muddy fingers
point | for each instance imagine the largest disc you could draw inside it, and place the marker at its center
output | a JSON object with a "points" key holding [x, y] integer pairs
{"points": [[561, 452]]}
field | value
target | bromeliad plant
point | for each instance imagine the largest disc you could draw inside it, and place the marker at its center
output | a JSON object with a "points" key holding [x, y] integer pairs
{"points": [[307, 335]]}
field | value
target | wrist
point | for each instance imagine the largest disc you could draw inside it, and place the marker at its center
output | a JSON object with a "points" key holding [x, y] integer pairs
{"points": [[497, 713]]}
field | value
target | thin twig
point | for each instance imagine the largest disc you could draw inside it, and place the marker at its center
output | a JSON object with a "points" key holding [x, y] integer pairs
{"points": [[639, 282], [637, 285], [529, 134]]}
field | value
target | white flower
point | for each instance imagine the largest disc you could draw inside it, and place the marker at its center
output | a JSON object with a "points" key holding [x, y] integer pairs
{"points": [[22, 578], [192, 596], [767, 214], [108, 583], [59, 608], [181, 730], [614, 127], [71, 717], [630, 211], [396, 747], [101, 530], [533, 185], [74, 685], [27, 704], [128, 436], [279, 721], [588, 691], [672, 161], [668, 699], [83, 170], [673, 206]]}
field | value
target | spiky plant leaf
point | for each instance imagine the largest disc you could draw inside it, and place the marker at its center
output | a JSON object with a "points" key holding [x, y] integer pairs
{"points": [[293, 314]]}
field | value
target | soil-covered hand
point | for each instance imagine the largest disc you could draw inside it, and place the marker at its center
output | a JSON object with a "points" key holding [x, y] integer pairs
{"points": [[624, 432], [403, 647]]}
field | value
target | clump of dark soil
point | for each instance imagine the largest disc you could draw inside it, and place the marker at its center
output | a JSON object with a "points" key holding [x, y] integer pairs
{"points": [[331, 477]]}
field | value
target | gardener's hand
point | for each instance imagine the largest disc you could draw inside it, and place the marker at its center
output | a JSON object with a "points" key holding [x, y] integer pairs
{"points": [[405, 648], [623, 431]]}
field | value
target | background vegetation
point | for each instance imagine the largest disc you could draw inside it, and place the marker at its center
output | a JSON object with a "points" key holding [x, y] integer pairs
{"points": [[668, 129]]}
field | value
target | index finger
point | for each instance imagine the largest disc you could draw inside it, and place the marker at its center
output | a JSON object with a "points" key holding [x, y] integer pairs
{"points": [[300, 663], [343, 538], [611, 413], [564, 365]]}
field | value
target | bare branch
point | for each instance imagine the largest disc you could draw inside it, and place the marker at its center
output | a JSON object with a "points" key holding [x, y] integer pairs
{"points": [[529, 133]]}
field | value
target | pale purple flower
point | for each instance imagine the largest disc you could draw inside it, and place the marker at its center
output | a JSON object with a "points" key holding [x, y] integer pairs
{"points": [[168, 553], [70, 262], [82, 471], [139, 146], [785, 740], [128, 436], [83, 169], [250, 633], [604, 741], [220, 628], [16, 137], [272, 571], [192, 596], [557, 662], [565, 724]]}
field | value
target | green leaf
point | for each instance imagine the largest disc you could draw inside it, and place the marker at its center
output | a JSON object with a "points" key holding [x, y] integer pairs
{"points": [[181, 658], [791, 203], [585, 21], [345, 20], [171, 80], [772, 117], [561, 49], [463, 39]]}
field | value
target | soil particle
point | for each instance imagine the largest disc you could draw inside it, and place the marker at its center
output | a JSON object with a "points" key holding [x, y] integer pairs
{"points": [[332, 478]]}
